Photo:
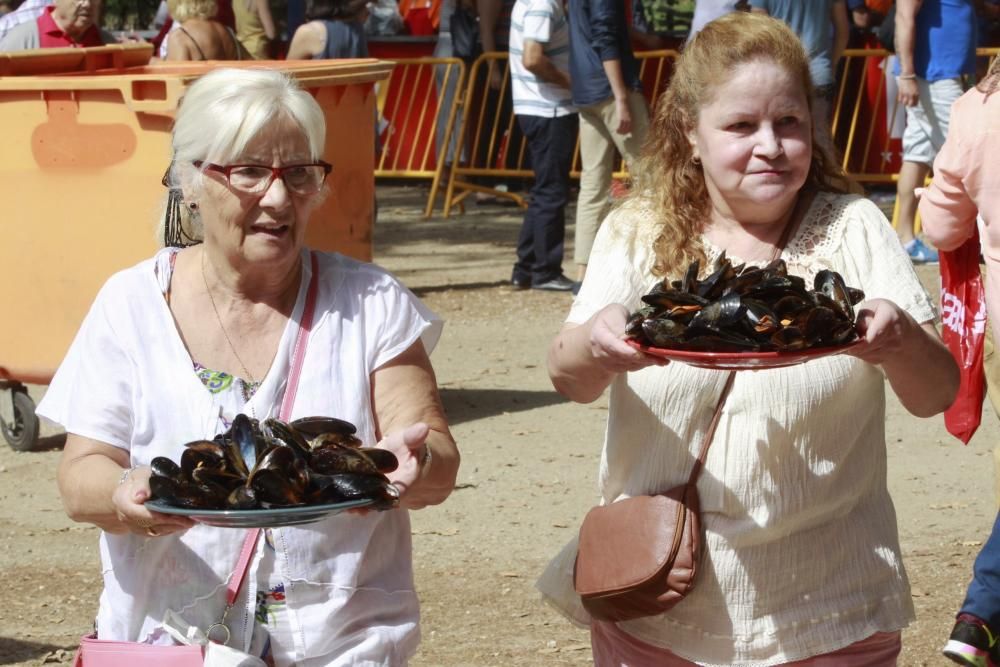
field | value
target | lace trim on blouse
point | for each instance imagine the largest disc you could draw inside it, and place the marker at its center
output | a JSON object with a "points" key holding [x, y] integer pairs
{"points": [[817, 239]]}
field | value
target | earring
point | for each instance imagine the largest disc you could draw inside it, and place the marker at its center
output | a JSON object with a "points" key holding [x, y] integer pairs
{"points": [[695, 160], [193, 206]]}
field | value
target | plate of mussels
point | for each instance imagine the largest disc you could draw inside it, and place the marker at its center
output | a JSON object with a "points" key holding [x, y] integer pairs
{"points": [[267, 474], [741, 317]]}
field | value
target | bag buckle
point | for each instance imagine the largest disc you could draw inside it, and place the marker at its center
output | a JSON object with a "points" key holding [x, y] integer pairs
{"points": [[220, 629]]}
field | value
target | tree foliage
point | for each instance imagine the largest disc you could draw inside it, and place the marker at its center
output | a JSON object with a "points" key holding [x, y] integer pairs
{"points": [[129, 14]]}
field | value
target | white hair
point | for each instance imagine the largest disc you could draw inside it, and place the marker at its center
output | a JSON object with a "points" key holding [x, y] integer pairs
{"points": [[224, 110]]}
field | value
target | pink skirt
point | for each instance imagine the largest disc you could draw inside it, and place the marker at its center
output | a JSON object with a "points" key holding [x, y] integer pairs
{"points": [[615, 648]]}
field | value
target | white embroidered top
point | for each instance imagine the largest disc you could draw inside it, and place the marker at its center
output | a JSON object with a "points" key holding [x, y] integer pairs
{"points": [[128, 381], [801, 547]]}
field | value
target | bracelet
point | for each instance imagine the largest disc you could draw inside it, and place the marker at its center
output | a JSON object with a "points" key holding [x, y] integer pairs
{"points": [[125, 474], [906, 77]]}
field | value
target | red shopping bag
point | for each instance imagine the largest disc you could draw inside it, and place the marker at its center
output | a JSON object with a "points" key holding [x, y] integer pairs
{"points": [[963, 314]]}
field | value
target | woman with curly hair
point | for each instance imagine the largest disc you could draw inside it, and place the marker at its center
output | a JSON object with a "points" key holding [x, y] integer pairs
{"points": [[793, 490]]}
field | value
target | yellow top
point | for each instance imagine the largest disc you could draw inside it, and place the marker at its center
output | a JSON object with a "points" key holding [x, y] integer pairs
{"points": [[250, 30]]}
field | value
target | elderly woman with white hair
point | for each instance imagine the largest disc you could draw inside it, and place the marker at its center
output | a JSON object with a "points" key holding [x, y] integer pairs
{"points": [[178, 345]]}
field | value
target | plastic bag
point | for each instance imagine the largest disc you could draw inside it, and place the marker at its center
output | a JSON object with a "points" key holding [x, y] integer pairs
{"points": [[963, 314], [216, 655]]}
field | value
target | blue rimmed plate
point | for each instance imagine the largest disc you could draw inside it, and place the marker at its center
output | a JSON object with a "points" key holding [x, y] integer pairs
{"points": [[260, 518]]}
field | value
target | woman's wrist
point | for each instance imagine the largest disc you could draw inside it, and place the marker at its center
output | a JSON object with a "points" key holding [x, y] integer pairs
{"points": [[126, 473]]}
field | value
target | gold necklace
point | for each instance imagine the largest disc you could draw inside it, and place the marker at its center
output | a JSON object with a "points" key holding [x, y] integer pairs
{"points": [[218, 317]]}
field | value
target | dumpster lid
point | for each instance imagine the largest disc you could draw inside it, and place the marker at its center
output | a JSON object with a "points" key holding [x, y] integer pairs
{"points": [[116, 57]]}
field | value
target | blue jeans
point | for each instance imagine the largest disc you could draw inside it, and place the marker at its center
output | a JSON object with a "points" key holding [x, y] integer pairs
{"points": [[540, 245], [982, 599]]}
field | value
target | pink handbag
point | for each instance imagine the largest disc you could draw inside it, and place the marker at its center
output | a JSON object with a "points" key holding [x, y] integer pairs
{"points": [[94, 652], [105, 653]]}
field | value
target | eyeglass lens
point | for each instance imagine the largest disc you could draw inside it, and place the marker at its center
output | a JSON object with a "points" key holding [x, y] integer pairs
{"points": [[301, 179]]}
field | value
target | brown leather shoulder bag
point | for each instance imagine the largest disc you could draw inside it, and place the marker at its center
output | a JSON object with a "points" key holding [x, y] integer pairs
{"points": [[639, 556]]}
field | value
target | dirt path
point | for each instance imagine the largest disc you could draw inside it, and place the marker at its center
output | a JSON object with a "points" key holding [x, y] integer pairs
{"points": [[528, 476]]}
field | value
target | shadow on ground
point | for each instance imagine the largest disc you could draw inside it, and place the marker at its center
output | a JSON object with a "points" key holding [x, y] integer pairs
{"points": [[463, 405], [490, 224], [431, 289], [18, 650], [48, 443]]}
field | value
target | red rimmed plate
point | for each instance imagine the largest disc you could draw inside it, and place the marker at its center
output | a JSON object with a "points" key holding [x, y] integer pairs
{"points": [[738, 361]]}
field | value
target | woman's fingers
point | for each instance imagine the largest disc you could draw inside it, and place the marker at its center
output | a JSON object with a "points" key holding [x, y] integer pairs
{"points": [[882, 327], [609, 346], [409, 445], [130, 497]]}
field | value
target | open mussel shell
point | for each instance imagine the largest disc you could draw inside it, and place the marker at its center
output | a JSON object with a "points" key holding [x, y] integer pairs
{"points": [[242, 498], [202, 454], [310, 427], [832, 285], [720, 314], [164, 467], [183, 493], [283, 434], [663, 332], [164, 488], [221, 477], [272, 489], [324, 440], [715, 284], [246, 436], [352, 486], [367, 461], [383, 459]]}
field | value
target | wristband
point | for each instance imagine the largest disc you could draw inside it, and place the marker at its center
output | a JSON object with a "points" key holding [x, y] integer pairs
{"points": [[906, 77]]}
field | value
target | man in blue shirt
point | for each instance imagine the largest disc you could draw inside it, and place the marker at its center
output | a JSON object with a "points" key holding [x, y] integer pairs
{"points": [[607, 93], [936, 46]]}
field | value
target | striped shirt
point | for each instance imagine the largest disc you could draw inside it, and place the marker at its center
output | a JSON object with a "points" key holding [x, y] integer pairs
{"points": [[29, 10], [542, 21]]}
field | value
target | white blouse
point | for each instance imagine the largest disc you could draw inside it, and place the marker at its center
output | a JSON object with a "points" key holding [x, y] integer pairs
{"points": [[801, 548], [128, 381]]}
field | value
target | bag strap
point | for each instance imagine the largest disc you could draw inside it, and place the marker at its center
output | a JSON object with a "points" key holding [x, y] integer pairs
{"points": [[298, 356], [710, 433], [301, 342], [801, 206]]}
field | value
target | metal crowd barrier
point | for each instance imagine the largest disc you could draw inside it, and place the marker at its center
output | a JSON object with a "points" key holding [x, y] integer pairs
{"points": [[417, 109], [491, 143], [495, 149]]}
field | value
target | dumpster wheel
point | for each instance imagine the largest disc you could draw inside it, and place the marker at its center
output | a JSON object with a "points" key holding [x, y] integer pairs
{"points": [[22, 433]]}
